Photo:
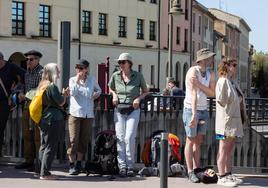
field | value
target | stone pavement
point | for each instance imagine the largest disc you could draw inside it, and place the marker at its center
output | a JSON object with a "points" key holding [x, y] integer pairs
{"points": [[13, 178]]}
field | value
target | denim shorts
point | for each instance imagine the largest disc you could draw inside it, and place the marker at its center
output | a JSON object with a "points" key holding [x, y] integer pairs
{"points": [[202, 118]]}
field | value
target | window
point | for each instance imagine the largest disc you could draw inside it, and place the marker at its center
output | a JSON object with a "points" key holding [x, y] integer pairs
{"points": [[199, 25], [178, 35], [193, 50], [152, 30], [140, 34], [193, 22], [44, 21], [122, 27], [18, 22], [205, 27], [152, 74], [140, 68], [153, 1], [186, 40], [102, 24], [199, 46], [186, 10], [86, 22]]}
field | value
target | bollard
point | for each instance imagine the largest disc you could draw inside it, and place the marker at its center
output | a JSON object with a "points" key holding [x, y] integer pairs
{"points": [[164, 160]]}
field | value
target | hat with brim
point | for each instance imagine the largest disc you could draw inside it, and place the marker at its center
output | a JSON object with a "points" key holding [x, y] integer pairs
{"points": [[124, 57], [203, 54], [82, 63], [33, 52]]}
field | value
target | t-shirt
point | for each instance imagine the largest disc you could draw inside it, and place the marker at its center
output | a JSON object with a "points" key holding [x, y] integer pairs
{"points": [[51, 104]]}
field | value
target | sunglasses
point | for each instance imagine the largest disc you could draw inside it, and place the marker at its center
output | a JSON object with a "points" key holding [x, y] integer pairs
{"points": [[30, 59], [80, 68], [234, 65], [121, 62]]}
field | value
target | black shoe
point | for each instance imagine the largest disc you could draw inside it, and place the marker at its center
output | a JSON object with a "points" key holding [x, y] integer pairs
{"points": [[130, 172], [123, 172], [24, 165], [31, 168]]}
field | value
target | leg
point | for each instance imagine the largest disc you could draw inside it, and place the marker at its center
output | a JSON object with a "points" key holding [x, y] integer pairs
{"points": [[51, 141], [230, 147], [188, 152], [4, 111], [131, 131], [120, 130], [197, 151], [74, 131]]}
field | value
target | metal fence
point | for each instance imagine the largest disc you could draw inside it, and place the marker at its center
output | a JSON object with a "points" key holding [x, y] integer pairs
{"points": [[162, 113]]}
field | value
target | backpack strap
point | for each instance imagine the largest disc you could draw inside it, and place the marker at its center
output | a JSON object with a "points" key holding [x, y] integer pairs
{"points": [[4, 88]]}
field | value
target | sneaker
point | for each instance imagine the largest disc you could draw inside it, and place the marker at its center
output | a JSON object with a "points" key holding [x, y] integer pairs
{"points": [[73, 171], [49, 177], [123, 172], [224, 181], [130, 172], [193, 178], [235, 179]]}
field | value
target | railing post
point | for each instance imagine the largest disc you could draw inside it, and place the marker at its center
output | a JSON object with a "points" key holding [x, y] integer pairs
{"points": [[164, 161]]}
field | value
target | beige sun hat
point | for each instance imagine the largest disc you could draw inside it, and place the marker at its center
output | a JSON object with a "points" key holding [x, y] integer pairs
{"points": [[204, 53], [124, 57]]}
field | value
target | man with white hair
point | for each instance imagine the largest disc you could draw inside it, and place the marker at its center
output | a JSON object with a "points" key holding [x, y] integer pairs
{"points": [[8, 75]]}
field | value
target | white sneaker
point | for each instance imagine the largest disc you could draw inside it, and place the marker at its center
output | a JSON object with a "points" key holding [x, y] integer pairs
{"points": [[235, 179], [224, 181]]}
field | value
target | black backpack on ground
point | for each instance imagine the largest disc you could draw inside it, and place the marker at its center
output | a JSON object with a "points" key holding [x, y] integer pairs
{"points": [[206, 175], [105, 154]]}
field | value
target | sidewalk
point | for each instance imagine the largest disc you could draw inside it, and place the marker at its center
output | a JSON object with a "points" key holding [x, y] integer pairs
{"points": [[13, 178]]}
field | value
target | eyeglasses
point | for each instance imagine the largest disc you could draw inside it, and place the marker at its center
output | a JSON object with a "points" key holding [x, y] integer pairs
{"points": [[30, 59]]}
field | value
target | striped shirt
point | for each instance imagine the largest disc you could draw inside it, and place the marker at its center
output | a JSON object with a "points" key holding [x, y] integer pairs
{"points": [[32, 78]]}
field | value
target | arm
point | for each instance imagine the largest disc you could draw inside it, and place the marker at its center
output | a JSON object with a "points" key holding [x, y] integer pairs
{"points": [[112, 91], [193, 121], [144, 92], [97, 90], [210, 90]]}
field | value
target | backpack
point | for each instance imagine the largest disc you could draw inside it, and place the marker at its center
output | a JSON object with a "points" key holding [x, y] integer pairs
{"points": [[105, 154], [206, 175], [36, 105], [151, 150]]}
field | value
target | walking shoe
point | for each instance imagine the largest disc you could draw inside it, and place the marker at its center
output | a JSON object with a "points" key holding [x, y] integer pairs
{"points": [[73, 171], [224, 181], [235, 179], [193, 178], [49, 177], [130, 172], [24, 165], [123, 172]]}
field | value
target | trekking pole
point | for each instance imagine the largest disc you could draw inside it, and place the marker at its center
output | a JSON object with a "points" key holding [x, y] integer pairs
{"points": [[164, 160]]}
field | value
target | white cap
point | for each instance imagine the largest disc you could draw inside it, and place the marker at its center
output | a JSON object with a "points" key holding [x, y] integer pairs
{"points": [[124, 57]]}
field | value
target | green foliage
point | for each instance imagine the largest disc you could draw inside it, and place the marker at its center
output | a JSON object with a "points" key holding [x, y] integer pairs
{"points": [[260, 73]]}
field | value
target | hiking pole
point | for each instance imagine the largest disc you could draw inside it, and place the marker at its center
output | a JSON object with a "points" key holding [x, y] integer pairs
{"points": [[164, 160]]}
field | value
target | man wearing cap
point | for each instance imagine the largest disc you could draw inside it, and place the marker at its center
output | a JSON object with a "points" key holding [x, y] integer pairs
{"points": [[8, 73], [31, 133], [200, 83], [83, 91]]}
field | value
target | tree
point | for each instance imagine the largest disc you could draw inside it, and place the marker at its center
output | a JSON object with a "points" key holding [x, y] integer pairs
{"points": [[260, 73]]}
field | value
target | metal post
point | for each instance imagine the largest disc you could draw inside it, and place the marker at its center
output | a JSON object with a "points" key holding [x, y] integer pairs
{"points": [[158, 45], [250, 53], [164, 161], [170, 44], [64, 36], [79, 29]]}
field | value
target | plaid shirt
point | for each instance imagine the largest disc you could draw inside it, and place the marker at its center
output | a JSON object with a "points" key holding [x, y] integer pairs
{"points": [[32, 78]]}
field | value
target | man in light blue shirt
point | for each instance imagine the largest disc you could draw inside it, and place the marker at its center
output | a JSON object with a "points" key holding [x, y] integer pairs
{"points": [[83, 91]]}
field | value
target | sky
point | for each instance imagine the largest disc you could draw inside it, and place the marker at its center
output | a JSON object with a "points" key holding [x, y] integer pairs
{"points": [[255, 13]]}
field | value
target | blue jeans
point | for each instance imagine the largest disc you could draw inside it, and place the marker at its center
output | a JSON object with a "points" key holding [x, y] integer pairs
{"points": [[201, 128], [126, 130]]}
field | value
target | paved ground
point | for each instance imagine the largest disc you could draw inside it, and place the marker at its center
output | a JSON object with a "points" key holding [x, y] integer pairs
{"points": [[12, 178]]}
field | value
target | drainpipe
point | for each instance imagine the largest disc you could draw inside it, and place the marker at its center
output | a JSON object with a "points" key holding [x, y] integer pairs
{"points": [[158, 45], [191, 31], [79, 29]]}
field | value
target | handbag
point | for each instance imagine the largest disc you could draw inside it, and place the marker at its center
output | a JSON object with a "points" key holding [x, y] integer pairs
{"points": [[125, 109]]}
